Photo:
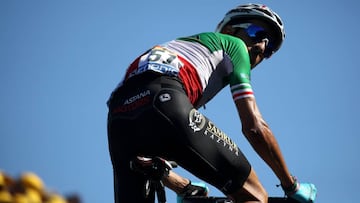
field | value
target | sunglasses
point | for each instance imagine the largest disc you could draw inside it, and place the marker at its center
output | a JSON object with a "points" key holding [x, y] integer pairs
{"points": [[257, 34]]}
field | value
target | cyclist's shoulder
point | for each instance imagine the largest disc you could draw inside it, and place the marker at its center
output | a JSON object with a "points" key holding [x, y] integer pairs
{"points": [[216, 41], [214, 37]]}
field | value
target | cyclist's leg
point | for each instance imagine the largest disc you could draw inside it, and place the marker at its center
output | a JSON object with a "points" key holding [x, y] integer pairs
{"points": [[252, 190], [135, 128], [129, 131], [129, 186], [207, 152]]}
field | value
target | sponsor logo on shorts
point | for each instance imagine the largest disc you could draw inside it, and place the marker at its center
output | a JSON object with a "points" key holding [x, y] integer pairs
{"points": [[196, 120], [165, 97], [220, 137], [134, 102], [137, 97]]}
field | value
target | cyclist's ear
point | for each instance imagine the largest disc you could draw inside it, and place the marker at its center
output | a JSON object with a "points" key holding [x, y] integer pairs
{"points": [[227, 30]]}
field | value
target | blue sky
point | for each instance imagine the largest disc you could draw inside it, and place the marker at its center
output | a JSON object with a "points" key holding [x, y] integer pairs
{"points": [[59, 61]]}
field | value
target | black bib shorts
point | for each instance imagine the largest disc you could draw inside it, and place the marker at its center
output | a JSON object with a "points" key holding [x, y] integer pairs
{"points": [[151, 115]]}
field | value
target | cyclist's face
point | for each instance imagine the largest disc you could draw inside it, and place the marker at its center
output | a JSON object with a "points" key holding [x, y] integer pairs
{"points": [[256, 49]]}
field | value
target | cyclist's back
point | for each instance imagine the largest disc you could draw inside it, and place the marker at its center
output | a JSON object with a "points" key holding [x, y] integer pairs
{"points": [[204, 62]]}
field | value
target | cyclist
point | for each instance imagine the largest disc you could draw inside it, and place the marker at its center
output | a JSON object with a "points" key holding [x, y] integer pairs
{"points": [[154, 109]]}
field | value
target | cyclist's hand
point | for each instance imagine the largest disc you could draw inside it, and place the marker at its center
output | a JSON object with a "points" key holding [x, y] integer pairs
{"points": [[305, 193]]}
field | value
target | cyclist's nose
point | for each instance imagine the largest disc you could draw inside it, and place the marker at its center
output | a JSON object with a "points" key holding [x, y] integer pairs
{"points": [[261, 45]]}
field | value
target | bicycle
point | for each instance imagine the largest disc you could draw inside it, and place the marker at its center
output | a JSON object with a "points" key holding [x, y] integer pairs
{"points": [[154, 169]]}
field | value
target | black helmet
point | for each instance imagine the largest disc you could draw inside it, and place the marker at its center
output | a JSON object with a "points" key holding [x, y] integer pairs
{"points": [[259, 12]]}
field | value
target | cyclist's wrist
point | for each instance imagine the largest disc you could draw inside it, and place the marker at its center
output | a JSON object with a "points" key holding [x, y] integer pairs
{"points": [[291, 188]]}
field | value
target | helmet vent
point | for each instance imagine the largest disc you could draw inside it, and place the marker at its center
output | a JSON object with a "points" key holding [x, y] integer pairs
{"points": [[264, 11]]}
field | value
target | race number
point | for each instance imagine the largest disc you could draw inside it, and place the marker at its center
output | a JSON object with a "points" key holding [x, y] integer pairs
{"points": [[159, 60]]}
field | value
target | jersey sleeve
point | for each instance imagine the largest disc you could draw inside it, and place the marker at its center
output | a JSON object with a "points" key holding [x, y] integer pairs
{"points": [[235, 50], [239, 78]]}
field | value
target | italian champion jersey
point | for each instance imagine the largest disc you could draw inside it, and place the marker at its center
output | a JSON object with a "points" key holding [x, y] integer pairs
{"points": [[205, 62]]}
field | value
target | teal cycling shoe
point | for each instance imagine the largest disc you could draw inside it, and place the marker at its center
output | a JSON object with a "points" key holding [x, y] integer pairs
{"points": [[193, 189], [305, 193]]}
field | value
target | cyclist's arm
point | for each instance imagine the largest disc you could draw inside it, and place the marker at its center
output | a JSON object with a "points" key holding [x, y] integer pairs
{"points": [[261, 138]]}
